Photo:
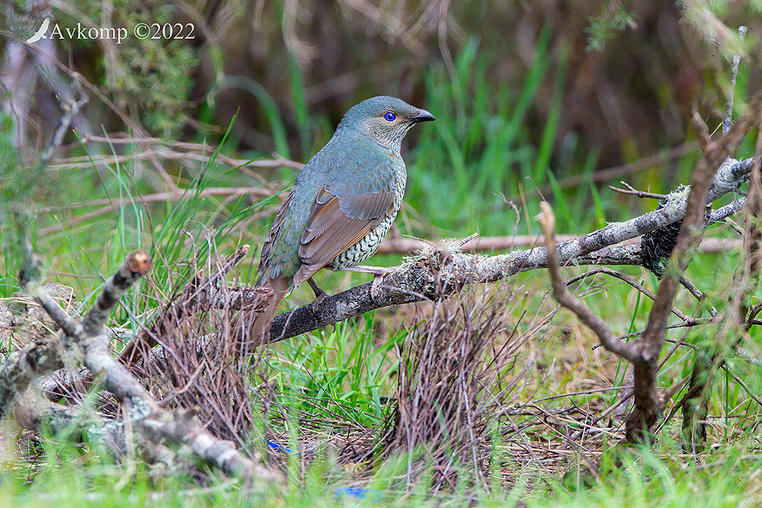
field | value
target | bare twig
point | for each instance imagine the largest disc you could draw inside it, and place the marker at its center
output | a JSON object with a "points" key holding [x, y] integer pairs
{"points": [[117, 139], [613, 273], [70, 110], [401, 245], [607, 174], [561, 294], [88, 162], [176, 195], [257, 192], [727, 122], [635, 192]]}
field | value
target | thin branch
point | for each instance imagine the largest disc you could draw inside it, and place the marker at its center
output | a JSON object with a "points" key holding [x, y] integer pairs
{"points": [[257, 192], [603, 175], [175, 195], [70, 110], [727, 122], [613, 273], [150, 154], [122, 139], [410, 246], [401, 245], [561, 294], [635, 192]]}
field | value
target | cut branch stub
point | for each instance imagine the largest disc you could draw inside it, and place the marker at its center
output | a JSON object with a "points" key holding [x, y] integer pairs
{"points": [[135, 266]]}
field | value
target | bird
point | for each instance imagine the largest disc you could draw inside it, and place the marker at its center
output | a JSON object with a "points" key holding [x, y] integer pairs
{"points": [[343, 202]]}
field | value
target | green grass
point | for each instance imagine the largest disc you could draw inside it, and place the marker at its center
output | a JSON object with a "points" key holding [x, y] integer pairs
{"points": [[76, 476], [342, 371]]}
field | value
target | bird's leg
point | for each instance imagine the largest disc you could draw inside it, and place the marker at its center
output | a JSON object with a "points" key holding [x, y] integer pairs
{"points": [[379, 272], [375, 270], [319, 294]]}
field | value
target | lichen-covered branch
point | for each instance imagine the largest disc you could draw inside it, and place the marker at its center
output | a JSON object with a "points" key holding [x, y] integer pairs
{"points": [[21, 367]]}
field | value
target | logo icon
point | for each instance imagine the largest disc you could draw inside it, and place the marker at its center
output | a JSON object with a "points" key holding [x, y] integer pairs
{"points": [[40, 34]]}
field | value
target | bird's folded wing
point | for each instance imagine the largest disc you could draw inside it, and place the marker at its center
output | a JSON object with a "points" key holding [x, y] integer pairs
{"points": [[336, 223], [270, 238]]}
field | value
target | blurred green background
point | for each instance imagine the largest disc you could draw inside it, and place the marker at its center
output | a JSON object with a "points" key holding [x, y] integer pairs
{"points": [[534, 99]]}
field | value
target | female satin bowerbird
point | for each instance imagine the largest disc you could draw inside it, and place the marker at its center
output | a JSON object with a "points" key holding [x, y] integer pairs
{"points": [[343, 202]]}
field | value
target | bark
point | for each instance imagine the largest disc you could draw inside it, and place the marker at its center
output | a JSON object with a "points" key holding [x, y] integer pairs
{"points": [[713, 355]]}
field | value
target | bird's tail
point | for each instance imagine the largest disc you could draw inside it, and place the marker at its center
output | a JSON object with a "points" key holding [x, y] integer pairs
{"points": [[261, 326]]}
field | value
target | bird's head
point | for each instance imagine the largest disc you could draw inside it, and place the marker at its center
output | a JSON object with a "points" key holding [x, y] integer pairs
{"points": [[384, 119]]}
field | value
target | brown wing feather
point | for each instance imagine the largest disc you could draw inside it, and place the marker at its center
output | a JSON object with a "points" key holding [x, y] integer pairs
{"points": [[336, 223], [267, 246]]}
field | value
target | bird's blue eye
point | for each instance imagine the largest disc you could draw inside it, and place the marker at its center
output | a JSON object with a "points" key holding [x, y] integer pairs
{"points": [[389, 116]]}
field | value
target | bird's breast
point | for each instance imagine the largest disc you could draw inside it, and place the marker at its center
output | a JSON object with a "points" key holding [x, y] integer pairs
{"points": [[365, 248]]}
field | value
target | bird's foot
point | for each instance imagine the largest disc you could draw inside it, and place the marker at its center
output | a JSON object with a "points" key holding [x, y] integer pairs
{"points": [[375, 270], [320, 295], [379, 272], [315, 305], [376, 288]]}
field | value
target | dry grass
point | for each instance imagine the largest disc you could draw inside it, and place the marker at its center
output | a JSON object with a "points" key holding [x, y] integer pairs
{"points": [[478, 399], [458, 374], [204, 363]]}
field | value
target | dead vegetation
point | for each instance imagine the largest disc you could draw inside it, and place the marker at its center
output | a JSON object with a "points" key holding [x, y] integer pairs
{"points": [[465, 385], [458, 373], [204, 364], [194, 377]]}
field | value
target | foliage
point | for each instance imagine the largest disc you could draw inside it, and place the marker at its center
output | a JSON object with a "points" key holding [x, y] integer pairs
{"points": [[613, 19], [503, 137]]}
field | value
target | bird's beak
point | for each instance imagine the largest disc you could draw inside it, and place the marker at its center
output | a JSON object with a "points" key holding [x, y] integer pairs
{"points": [[422, 116]]}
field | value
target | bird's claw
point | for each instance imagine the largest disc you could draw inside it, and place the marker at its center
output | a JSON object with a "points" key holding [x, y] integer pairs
{"points": [[375, 287], [315, 305], [376, 271]]}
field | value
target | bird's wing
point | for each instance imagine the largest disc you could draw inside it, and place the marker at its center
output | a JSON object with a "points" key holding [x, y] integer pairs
{"points": [[338, 221], [264, 257]]}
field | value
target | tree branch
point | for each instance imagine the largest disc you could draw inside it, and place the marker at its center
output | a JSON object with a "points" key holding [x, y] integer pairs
{"points": [[648, 401]]}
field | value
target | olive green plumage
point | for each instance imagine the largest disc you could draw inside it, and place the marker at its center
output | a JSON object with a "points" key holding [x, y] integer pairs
{"points": [[346, 197]]}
